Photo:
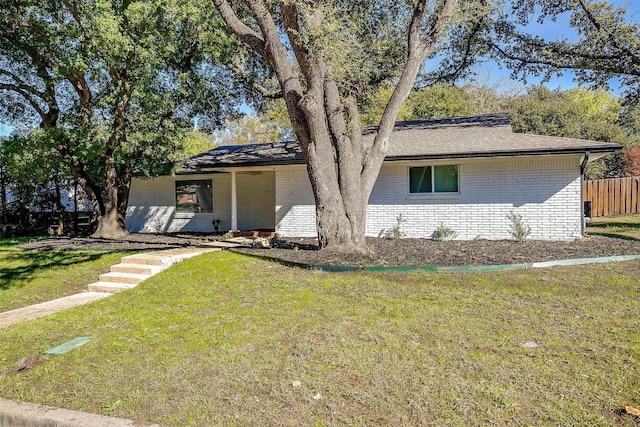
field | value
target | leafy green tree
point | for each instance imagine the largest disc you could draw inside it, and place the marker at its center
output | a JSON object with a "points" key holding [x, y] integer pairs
{"points": [[194, 142], [575, 113], [113, 84], [249, 129], [36, 174], [605, 43], [479, 95], [373, 107], [440, 101]]}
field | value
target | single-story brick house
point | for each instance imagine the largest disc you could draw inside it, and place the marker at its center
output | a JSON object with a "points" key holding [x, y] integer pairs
{"points": [[466, 174]]}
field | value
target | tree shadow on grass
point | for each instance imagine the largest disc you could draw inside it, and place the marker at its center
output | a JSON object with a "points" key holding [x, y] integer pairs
{"points": [[615, 224], [29, 263], [613, 235]]}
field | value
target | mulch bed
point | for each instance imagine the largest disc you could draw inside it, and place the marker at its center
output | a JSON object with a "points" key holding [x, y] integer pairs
{"points": [[425, 252], [380, 252], [132, 242]]}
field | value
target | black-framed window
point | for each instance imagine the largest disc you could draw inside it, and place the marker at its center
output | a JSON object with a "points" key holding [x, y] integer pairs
{"points": [[194, 196], [433, 179]]}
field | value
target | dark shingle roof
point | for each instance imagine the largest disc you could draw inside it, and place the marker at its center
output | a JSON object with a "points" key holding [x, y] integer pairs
{"points": [[488, 135]]}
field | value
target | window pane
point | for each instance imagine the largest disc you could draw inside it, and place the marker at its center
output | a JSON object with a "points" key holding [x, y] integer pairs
{"points": [[446, 179], [194, 196], [420, 180]]}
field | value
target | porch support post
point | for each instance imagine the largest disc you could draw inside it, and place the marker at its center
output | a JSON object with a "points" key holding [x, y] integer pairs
{"points": [[234, 202]]}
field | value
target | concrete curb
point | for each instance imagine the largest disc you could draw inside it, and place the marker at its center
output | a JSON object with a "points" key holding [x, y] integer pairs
{"points": [[15, 414]]}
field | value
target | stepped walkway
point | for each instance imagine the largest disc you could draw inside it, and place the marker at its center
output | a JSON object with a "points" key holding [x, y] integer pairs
{"points": [[132, 270]]}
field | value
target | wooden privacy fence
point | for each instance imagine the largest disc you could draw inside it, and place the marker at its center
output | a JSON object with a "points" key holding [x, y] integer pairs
{"points": [[614, 196]]}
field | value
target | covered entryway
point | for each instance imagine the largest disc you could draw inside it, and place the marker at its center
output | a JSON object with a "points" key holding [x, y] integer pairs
{"points": [[252, 200]]}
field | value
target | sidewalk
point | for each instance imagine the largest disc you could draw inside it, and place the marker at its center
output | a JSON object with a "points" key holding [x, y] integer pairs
{"points": [[43, 309]]}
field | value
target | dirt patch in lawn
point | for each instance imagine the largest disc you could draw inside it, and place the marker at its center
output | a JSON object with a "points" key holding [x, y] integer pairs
{"points": [[380, 252]]}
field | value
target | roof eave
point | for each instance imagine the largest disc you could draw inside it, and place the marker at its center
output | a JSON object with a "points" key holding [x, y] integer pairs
{"points": [[604, 149], [489, 154]]}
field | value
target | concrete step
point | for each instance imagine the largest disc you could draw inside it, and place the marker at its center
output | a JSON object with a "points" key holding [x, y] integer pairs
{"points": [[131, 278], [178, 255], [147, 269], [146, 259], [219, 245], [110, 287], [239, 240]]}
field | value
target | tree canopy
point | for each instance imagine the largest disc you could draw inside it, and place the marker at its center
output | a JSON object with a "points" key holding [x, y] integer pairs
{"points": [[575, 113], [605, 43], [110, 85]]}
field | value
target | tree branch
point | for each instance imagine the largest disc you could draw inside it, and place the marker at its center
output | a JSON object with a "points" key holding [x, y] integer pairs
{"points": [[19, 83], [418, 50], [239, 28], [252, 84], [26, 95], [633, 56]]}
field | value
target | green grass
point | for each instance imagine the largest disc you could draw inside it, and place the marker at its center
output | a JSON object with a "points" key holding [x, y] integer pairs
{"points": [[621, 225], [224, 339], [31, 276]]}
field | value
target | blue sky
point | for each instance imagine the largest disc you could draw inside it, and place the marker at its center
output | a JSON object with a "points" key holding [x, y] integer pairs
{"points": [[558, 29]]}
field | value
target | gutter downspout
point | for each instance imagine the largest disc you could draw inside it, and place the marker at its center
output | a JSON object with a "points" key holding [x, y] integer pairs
{"points": [[583, 166]]}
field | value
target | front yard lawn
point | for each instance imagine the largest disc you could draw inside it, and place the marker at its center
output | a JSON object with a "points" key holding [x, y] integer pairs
{"points": [[32, 276], [224, 339], [625, 225]]}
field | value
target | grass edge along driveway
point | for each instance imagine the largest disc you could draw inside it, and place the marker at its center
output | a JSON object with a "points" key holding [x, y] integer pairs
{"points": [[224, 339]]}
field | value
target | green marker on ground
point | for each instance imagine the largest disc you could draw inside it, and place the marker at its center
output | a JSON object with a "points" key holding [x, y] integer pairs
{"points": [[68, 346]]}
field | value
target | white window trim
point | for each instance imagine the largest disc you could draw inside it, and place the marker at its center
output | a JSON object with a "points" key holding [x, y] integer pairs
{"points": [[453, 195]]}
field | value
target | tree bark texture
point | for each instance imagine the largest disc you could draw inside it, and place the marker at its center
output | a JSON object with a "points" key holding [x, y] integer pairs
{"points": [[325, 117]]}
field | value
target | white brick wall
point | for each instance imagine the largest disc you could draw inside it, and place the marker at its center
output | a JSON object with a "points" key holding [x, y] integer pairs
{"points": [[545, 191], [295, 205], [152, 204]]}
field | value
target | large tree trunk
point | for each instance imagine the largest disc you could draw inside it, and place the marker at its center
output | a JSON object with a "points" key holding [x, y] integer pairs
{"points": [[110, 223], [111, 220], [324, 116], [59, 206], [110, 205]]}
